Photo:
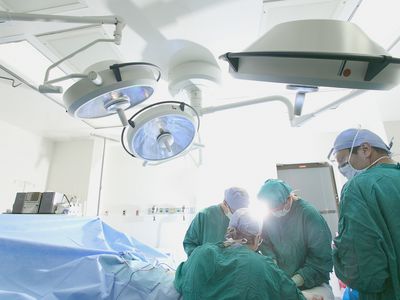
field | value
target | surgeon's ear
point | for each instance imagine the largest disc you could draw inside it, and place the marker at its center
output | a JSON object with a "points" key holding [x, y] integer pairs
{"points": [[366, 149]]}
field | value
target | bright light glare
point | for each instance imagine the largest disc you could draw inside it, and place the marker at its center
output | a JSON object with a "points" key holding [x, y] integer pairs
{"points": [[259, 210]]}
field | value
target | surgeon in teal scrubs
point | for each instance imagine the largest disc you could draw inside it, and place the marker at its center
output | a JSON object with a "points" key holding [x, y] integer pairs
{"points": [[367, 250], [232, 269], [297, 237], [209, 225]]}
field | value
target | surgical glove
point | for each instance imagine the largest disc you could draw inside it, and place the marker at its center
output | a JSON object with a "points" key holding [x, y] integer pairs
{"points": [[298, 280], [311, 296]]}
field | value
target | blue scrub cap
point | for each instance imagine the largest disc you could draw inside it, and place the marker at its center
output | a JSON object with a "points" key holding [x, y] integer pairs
{"points": [[274, 192], [345, 140], [236, 198], [243, 221]]}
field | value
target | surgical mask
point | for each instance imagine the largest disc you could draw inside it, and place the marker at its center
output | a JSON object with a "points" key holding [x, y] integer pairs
{"points": [[283, 212], [280, 213], [349, 171]]}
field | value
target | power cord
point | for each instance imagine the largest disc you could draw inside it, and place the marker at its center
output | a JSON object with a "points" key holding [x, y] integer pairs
{"points": [[13, 81], [167, 265], [130, 277], [65, 196]]}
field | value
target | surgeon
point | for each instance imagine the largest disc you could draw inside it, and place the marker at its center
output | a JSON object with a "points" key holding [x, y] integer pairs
{"points": [[210, 224], [233, 269], [367, 249], [297, 237]]}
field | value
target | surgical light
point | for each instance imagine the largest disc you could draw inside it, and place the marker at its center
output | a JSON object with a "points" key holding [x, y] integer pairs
{"points": [[161, 131], [103, 89], [317, 53], [119, 87]]}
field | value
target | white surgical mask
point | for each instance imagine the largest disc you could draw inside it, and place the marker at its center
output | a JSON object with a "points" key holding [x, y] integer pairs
{"points": [[349, 171], [282, 212]]}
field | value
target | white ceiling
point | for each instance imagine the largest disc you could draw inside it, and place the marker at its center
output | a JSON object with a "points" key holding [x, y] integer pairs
{"points": [[157, 32]]}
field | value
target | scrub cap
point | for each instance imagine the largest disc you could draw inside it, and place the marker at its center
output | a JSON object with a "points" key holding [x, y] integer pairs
{"points": [[345, 140], [243, 221], [236, 198], [274, 192]]}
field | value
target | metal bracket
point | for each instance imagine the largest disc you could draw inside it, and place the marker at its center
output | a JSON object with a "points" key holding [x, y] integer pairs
{"points": [[233, 61], [374, 68]]}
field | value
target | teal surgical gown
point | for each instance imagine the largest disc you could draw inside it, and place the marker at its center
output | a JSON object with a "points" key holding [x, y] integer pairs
{"points": [[367, 250], [235, 273], [209, 226], [300, 242]]}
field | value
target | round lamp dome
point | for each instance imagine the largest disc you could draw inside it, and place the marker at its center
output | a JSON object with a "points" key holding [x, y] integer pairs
{"points": [[161, 131], [119, 87]]}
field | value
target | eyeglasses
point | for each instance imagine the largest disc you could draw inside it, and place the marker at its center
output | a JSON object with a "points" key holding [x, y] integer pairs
{"points": [[332, 155]]}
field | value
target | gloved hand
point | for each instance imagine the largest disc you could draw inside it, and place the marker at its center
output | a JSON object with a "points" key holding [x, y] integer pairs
{"points": [[298, 280], [312, 296]]}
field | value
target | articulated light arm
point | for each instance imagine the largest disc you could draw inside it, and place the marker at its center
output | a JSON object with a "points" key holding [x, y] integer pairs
{"points": [[47, 86], [286, 101], [298, 121], [295, 121]]}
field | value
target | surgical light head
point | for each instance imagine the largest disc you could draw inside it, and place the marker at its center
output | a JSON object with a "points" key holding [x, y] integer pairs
{"points": [[161, 131], [118, 87]]}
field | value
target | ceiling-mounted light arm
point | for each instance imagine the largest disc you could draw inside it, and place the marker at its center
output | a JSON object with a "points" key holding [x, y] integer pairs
{"points": [[47, 83], [286, 101], [116, 20], [302, 119], [299, 102], [300, 95], [47, 86]]}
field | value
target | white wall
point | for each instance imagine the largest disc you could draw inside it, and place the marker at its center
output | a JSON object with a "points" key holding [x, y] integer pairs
{"points": [[127, 185], [24, 163], [70, 168], [393, 130]]}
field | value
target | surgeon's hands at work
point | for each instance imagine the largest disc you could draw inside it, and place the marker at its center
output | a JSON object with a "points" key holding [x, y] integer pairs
{"points": [[312, 296]]}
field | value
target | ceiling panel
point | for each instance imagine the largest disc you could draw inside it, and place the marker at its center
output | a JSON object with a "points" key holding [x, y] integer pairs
{"points": [[42, 6], [275, 12], [62, 44]]}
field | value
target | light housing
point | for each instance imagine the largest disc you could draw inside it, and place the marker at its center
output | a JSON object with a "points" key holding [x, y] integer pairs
{"points": [[121, 86], [317, 53], [161, 131]]}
